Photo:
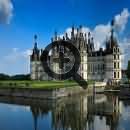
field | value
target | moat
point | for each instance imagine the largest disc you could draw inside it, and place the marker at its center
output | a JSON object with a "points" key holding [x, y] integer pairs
{"points": [[80, 112]]}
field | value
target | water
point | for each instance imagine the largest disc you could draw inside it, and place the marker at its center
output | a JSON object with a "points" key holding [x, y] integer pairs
{"points": [[79, 112]]}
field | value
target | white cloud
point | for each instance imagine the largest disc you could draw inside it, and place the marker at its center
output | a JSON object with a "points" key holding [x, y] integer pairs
{"points": [[6, 11], [16, 54], [15, 62], [125, 47], [102, 31], [121, 20]]}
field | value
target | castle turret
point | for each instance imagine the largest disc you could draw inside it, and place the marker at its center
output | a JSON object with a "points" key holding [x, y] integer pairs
{"points": [[112, 38], [113, 58], [92, 44], [72, 33], [55, 36], [89, 43], [112, 42], [66, 36], [35, 61], [35, 55]]}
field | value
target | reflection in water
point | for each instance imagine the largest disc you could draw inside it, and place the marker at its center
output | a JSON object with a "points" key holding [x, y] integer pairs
{"points": [[75, 113], [78, 113]]}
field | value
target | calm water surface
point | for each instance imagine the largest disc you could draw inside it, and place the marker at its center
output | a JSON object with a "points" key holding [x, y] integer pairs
{"points": [[74, 113]]}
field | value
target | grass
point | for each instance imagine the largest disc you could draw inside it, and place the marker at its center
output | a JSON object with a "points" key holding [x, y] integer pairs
{"points": [[37, 84]]}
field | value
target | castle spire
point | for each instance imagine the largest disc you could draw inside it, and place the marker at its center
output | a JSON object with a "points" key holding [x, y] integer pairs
{"points": [[92, 43], [112, 29], [81, 33], [89, 36], [35, 54], [85, 36], [35, 41], [66, 36], [112, 38], [72, 33], [55, 35], [80, 27]]}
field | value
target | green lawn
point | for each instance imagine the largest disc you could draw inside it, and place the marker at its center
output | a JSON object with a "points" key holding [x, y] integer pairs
{"points": [[37, 84]]}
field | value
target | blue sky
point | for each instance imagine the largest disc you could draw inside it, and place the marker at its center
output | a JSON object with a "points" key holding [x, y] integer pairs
{"points": [[21, 19]]}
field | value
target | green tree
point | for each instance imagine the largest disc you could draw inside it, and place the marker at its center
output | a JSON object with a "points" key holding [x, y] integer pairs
{"points": [[128, 70]]}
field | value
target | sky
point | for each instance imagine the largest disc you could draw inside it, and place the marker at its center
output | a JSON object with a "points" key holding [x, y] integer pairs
{"points": [[20, 20]]}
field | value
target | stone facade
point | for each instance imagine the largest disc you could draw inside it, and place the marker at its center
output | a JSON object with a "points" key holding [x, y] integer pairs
{"points": [[99, 65]]}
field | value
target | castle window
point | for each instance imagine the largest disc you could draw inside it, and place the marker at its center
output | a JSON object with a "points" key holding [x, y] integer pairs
{"points": [[103, 67], [114, 74], [114, 57], [118, 50], [82, 66], [82, 58], [114, 65], [118, 57], [114, 49], [118, 75], [118, 65]]}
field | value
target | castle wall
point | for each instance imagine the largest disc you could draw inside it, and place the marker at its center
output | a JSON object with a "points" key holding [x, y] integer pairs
{"points": [[96, 68], [83, 66], [101, 65], [109, 67], [37, 71]]}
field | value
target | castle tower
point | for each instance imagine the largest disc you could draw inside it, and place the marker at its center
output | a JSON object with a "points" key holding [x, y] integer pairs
{"points": [[83, 54], [72, 33], [113, 58], [35, 61]]}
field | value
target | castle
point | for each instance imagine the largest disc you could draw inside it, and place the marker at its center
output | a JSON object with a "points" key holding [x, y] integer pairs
{"points": [[99, 65]]}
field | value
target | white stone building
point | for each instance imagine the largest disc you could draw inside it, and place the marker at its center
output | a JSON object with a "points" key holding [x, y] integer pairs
{"points": [[101, 65]]}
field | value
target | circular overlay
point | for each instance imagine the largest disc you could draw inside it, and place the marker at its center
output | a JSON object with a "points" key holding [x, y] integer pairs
{"points": [[74, 68]]}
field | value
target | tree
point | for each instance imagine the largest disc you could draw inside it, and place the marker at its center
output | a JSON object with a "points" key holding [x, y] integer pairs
{"points": [[4, 76], [128, 70], [15, 77]]}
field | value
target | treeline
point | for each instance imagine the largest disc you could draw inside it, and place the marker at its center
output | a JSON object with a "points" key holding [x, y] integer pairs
{"points": [[128, 70], [14, 77]]}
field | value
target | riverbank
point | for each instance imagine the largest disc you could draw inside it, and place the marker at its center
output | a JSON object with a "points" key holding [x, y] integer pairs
{"points": [[45, 89], [42, 93], [39, 89]]}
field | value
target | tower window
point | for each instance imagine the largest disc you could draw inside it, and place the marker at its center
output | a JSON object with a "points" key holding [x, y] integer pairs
{"points": [[118, 57], [114, 57], [114, 65], [118, 50], [118, 65], [114, 74], [118, 75]]}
